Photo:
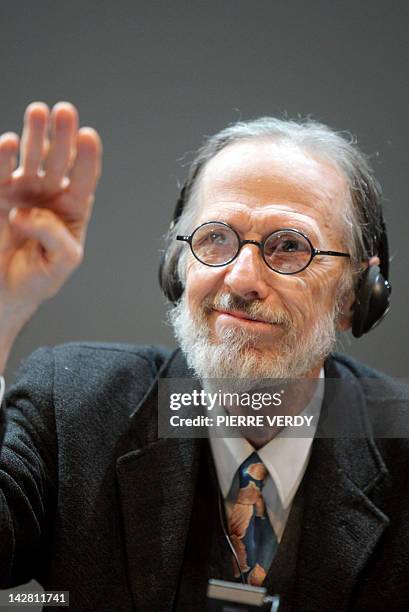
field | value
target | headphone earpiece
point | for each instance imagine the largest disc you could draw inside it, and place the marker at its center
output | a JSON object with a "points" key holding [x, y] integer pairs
{"points": [[372, 301], [169, 281]]}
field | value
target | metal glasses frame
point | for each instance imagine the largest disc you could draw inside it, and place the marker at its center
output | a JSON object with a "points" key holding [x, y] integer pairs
{"points": [[241, 243]]}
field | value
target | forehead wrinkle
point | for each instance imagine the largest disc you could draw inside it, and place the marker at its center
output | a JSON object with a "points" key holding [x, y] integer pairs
{"points": [[265, 167], [264, 191]]}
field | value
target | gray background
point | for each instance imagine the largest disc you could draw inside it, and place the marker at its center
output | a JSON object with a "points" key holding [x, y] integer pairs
{"points": [[154, 77]]}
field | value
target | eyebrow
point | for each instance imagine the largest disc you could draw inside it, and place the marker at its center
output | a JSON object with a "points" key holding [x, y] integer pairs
{"points": [[272, 226]]}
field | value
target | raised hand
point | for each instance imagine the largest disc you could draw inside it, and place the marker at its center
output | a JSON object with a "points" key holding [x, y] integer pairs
{"points": [[45, 206]]}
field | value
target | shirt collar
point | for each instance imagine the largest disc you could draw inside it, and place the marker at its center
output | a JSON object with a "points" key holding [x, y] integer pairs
{"points": [[285, 457]]}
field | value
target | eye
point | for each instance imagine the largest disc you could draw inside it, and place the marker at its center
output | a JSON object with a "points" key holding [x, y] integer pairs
{"points": [[291, 246], [286, 246], [214, 244], [216, 237], [211, 238]]}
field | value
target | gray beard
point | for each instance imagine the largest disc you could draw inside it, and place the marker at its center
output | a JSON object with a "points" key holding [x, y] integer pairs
{"points": [[236, 355]]}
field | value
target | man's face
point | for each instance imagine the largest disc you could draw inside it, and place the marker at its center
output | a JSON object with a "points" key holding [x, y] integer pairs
{"points": [[258, 187]]}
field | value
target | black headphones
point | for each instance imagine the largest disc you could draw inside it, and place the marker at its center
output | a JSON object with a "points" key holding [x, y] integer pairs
{"points": [[372, 294]]}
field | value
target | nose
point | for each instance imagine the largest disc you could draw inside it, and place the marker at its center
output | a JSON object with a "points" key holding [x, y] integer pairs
{"points": [[245, 276]]}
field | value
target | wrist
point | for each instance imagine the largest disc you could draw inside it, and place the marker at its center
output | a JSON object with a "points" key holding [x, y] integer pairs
{"points": [[12, 320], [6, 344]]}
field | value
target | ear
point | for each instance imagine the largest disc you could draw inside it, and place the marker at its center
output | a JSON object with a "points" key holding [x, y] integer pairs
{"points": [[346, 312], [347, 305]]}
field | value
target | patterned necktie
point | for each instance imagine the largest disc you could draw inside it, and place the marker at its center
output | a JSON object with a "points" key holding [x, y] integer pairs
{"points": [[251, 533]]}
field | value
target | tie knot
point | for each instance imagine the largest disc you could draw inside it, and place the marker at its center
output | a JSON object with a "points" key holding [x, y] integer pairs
{"points": [[252, 470]]}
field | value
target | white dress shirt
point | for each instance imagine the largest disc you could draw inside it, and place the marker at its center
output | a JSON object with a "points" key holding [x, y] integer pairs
{"points": [[286, 459]]}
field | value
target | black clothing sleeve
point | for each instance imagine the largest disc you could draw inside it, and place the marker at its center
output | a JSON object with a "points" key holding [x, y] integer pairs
{"points": [[28, 470]]}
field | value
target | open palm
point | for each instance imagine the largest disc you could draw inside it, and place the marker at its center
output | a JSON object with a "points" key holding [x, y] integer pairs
{"points": [[45, 204]]}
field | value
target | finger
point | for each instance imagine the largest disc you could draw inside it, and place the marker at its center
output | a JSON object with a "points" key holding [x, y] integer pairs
{"points": [[64, 126], [61, 248], [8, 154], [33, 138], [85, 172]]}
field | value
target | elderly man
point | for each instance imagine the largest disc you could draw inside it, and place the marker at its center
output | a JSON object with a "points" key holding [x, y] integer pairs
{"points": [[277, 242]]}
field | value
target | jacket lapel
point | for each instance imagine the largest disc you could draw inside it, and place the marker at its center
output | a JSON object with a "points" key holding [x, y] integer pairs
{"points": [[341, 525], [156, 480]]}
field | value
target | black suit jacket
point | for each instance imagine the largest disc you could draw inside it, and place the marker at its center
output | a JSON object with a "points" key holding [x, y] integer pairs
{"points": [[92, 502]]}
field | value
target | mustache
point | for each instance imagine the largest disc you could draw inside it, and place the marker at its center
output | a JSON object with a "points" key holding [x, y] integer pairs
{"points": [[254, 309]]}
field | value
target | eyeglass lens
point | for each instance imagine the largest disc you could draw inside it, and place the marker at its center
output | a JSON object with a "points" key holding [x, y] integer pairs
{"points": [[285, 251]]}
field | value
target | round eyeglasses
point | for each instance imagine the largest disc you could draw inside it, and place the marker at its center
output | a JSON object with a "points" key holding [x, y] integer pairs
{"points": [[286, 251]]}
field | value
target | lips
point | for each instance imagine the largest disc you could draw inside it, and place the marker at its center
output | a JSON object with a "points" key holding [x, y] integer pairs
{"points": [[241, 315]]}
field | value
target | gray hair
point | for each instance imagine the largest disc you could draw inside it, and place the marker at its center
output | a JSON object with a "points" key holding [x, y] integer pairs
{"points": [[362, 220]]}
